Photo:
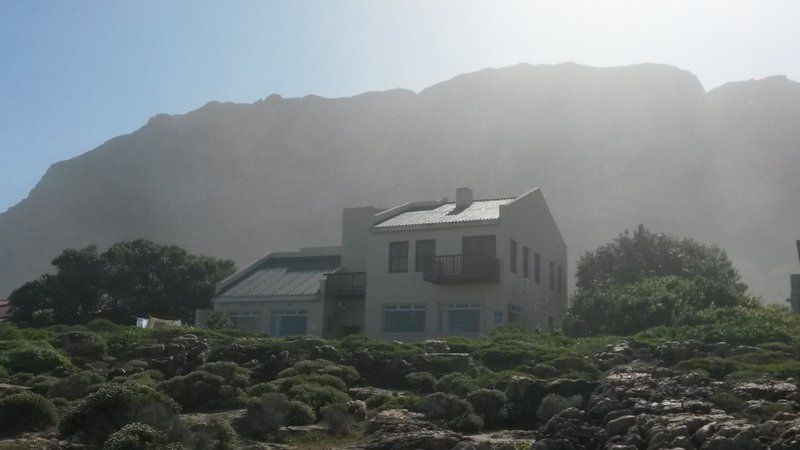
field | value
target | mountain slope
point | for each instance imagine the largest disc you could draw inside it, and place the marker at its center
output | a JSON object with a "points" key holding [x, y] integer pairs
{"points": [[611, 147]]}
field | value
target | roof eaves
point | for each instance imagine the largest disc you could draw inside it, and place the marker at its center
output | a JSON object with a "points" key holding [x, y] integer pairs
{"points": [[460, 223]]}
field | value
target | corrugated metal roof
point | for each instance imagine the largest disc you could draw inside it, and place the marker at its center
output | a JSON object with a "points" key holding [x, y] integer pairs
{"points": [[478, 211], [282, 277]]}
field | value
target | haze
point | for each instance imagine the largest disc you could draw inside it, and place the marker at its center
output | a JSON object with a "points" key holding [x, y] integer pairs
{"points": [[74, 74]]}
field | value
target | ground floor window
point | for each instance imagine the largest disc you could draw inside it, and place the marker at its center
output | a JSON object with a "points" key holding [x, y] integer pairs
{"points": [[461, 317], [246, 320], [403, 318], [289, 322], [514, 313]]}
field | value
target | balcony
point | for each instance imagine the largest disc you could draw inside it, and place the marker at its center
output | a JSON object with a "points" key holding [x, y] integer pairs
{"points": [[461, 269], [346, 284]]}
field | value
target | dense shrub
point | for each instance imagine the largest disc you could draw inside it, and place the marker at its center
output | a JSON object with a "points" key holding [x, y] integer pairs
{"points": [[202, 391], [113, 406], [81, 345], [491, 405], [421, 382], [287, 383], [553, 404], [506, 354], [450, 411], [347, 374], [257, 390], [25, 411], [76, 385], [338, 418], [383, 402], [727, 401], [217, 434], [455, 383], [266, 414], [716, 367], [234, 374], [138, 436], [316, 396], [31, 356], [103, 326]]}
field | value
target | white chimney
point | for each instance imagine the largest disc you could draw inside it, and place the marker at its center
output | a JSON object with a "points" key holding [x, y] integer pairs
{"points": [[463, 197]]}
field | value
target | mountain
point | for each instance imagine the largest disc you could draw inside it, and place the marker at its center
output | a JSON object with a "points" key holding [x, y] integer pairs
{"points": [[611, 148]]}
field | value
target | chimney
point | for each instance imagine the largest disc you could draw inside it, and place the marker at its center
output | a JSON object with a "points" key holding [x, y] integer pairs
{"points": [[463, 197]]}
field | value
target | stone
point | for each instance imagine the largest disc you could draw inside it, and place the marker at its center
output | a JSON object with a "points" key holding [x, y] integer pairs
{"points": [[620, 425]]}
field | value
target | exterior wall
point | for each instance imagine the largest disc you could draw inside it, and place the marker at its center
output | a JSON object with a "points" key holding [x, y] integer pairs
{"points": [[266, 305], [529, 222], [356, 223], [794, 300]]}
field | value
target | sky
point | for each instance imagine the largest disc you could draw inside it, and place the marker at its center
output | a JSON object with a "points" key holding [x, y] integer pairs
{"points": [[74, 74]]}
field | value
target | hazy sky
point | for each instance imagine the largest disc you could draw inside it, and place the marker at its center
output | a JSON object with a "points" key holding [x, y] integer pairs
{"points": [[76, 73]]}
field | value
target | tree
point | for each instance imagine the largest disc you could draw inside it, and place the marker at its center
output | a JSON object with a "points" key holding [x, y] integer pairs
{"points": [[137, 277]]}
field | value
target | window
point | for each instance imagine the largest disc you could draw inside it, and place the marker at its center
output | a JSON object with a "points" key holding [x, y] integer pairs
{"points": [[551, 275], [424, 249], [525, 262], [289, 322], [560, 280], [513, 255], [497, 316], [404, 318], [461, 317], [514, 313], [537, 268], [246, 320], [398, 256]]}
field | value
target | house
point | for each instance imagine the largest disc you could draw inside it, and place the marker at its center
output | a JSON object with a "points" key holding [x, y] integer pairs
{"points": [[794, 299], [5, 310], [414, 271]]}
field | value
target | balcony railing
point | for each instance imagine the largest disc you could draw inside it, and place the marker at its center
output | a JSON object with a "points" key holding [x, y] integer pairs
{"points": [[461, 269], [346, 284]]}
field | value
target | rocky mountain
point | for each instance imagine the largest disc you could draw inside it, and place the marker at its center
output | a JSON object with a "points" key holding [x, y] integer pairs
{"points": [[611, 148]]}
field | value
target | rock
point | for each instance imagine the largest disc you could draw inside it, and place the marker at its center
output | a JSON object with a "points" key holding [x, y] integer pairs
{"points": [[568, 388], [616, 414], [620, 425], [357, 409], [569, 429], [722, 349], [399, 421]]}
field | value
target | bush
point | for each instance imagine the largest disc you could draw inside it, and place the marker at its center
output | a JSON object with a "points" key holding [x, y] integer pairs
{"points": [[455, 383], [25, 411], [421, 382], [266, 414], [316, 396], [347, 374], [233, 374], [32, 356], [202, 391], [113, 406], [218, 320], [383, 402], [451, 411], [553, 404], [727, 401], [716, 367], [287, 383], [490, 405], [138, 436], [506, 354], [257, 390], [338, 419], [102, 326], [218, 434], [76, 385], [81, 345]]}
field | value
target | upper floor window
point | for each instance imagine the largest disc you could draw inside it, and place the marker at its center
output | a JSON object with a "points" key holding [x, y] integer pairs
{"points": [[424, 249], [398, 256], [537, 268], [513, 255], [514, 313], [560, 280], [551, 275], [525, 262]]}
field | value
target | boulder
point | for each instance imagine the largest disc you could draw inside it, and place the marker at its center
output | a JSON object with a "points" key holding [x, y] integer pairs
{"points": [[620, 425]]}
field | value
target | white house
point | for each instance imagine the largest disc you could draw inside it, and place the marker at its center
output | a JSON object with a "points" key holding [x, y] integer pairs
{"points": [[414, 271]]}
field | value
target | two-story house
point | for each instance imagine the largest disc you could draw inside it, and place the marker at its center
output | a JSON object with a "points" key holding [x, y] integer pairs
{"points": [[414, 271]]}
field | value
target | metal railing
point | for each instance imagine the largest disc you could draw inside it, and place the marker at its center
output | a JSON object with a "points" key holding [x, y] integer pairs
{"points": [[346, 284], [461, 269]]}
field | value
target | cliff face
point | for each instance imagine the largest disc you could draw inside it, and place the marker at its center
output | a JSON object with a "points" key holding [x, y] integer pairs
{"points": [[611, 148]]}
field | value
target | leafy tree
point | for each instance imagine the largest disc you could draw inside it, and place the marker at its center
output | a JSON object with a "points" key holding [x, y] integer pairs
{"points": [[138, 277]]}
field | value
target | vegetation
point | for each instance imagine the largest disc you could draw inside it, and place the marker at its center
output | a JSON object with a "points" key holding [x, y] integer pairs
{"points": [[25, 411]]}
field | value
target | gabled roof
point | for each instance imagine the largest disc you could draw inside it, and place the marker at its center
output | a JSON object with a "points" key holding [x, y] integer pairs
{"points": [[479, 211], [281, 277]]}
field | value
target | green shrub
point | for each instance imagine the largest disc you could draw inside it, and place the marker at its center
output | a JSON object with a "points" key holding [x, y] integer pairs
{"points": [[266, 414], [766, 410], [338, 419], [727, 401], [102, 326], [113, 406], [451, 411], [716, 367], [257, 390], [506, 354], [316, 396], [421, 382], [76, 385], [234, 374], [287, 383], [138, 436], [81, 345], [383, 402], [9, 332], [553, 404], [202, 391], [491, 405], [146, 377], [25, 411], [31, 356], [125, 338], [347, 374], [218, 434], [217, 320], [455, 383]]}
